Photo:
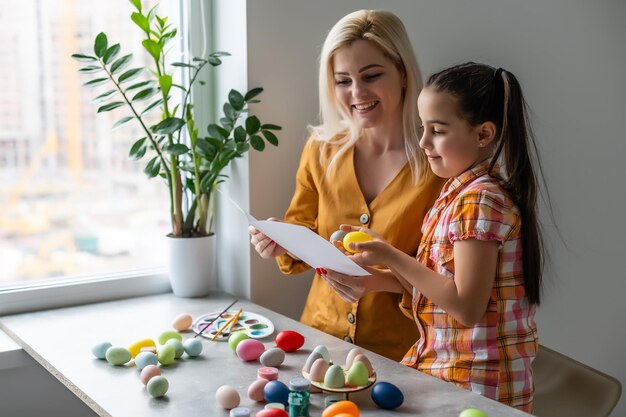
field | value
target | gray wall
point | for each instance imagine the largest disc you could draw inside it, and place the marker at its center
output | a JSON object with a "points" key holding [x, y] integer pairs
{"points": [[569, 57]]}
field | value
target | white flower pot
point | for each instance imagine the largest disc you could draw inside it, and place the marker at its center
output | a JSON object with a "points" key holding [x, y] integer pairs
{"points": [[192, 265]]}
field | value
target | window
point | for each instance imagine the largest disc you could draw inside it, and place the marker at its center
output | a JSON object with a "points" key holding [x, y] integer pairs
{"points": [[71, 202]]}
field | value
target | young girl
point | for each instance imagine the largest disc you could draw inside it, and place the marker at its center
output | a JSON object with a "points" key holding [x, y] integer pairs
{"points": [[477, 277]]}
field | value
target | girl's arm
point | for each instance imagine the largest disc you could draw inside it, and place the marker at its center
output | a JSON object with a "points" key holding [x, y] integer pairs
{"points": [[465, 297]]}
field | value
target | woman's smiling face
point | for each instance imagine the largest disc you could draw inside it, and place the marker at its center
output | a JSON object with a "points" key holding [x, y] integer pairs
{"points": [[368, 85]]}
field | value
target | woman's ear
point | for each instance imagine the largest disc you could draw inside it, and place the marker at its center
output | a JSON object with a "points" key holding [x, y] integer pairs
{"points": [[486, 134]]}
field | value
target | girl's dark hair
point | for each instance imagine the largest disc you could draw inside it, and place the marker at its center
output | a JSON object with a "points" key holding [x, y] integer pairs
{"points": [[484, 93]]}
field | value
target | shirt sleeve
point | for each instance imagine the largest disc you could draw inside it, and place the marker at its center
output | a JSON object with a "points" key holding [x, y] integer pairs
{"points": [[303, 209], [483, 214]]}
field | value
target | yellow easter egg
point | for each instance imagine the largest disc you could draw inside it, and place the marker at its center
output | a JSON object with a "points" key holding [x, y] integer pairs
{"points": [[356, 237], [135, 348]]}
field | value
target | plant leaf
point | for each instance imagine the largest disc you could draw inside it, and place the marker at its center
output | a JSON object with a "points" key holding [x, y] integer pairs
{"points": [[138, 85], [84, 58], [252, 125], [243, 147], [240, 134], [236, 99], [90, 69], [168, 126], [165, 81], [100, 44], [95, 82], [219, 53], [129, 74], [271, 138], [214, 61], [141, 21], [104, 96], [111, 53], [110, 106], [216, 131], [122, 122], [253, 93], [176, 149], [137, 4], [153, 167], [121, 63], [229, 111], [152, 13], [145, 94], [257, 143], [151, 106], [153, 48], [182, 64], [269, 126]]}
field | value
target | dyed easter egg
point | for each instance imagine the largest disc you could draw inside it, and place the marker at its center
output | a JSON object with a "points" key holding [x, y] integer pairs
{"points": [[235, 338], [289, 340], [343, 415], [166, 354], [358, 374], [337, 235], [273, 357], [276, 392], [182, 322], [322, 350], [117, 355], [152, 349], [334, 377], [318, 370], [144, 359], [472, 412], [193, 347], [351, 355], [312, 358], [387, 396], [362, 358], [255, 390], [135, 348], [157, 386], [272, 412], [169, 334], [227, 397], [100, 350], [345, 407], [249, 349], [148, 372], [178, 347], [355, 237]]}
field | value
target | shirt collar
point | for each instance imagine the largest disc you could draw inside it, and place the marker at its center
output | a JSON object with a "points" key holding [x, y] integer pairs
{"points": [[454, 185]]}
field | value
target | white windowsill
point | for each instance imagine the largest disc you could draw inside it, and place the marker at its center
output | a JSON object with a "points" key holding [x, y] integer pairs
{"points": [[63, 293]]}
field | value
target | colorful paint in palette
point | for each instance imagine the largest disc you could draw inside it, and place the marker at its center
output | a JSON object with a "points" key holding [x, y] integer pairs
{"points": [[254, 325]]}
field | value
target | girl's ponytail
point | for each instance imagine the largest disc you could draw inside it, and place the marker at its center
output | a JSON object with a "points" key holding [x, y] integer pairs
{"points": [[487, 94]]}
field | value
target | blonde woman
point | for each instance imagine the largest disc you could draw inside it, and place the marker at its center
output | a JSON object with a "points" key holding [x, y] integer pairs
{"points": [[363, 165]]}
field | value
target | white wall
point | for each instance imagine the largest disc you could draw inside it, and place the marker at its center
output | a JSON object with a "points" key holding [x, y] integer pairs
{"points": [[570, 58]]}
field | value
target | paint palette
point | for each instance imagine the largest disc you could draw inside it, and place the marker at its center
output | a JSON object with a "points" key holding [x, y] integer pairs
{"points": [[254, 325]]}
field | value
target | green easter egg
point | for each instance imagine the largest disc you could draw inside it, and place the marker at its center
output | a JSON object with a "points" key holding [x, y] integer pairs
{"points": [[117, 355], [157, 386], [166, 354], [169, 334], [472, 412], [358, 374], [178, 347], [235, 338]]}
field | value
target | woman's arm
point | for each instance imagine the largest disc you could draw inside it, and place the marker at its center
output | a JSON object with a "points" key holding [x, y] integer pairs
{"points": [[351, 289], [465, 297]]}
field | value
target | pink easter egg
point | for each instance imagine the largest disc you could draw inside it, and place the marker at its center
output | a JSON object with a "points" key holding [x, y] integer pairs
{"points": [[227, 397], [255, 390], [250, 349], [148, 372]]}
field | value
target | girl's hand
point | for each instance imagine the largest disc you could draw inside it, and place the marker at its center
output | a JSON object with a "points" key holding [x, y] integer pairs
{"points": [[352, 289], [371, 253], [265, 246]]}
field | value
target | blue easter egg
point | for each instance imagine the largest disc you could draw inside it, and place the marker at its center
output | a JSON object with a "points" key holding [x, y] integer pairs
{"points": [[193, 347], [144, 359], [276, 392], [387, 395]]}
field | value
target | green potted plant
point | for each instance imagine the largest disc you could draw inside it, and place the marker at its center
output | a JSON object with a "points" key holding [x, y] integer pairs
{"points": [[188, 160]]}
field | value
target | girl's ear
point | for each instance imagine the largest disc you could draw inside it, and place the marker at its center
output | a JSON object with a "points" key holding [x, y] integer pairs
{"points": [[486, 134]]}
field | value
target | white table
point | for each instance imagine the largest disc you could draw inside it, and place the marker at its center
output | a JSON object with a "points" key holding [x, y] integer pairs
{"points": [[61, 341]]}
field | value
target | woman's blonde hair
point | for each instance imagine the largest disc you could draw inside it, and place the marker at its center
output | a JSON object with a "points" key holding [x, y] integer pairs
{"points": [[387, 32]]}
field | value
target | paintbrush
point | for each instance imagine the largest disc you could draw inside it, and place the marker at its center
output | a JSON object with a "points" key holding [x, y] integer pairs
{"points": [[218, 316]]}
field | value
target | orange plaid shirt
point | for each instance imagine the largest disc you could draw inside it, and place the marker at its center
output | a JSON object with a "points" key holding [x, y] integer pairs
{"points": [[494, 356]]}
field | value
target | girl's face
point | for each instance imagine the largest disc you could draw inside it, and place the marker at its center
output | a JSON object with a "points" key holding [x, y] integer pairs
{"points": [[451, 144], [368, 85]]}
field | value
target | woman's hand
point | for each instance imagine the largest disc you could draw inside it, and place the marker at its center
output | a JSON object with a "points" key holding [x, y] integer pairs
{"points": [[265, 246], [352, 289]]}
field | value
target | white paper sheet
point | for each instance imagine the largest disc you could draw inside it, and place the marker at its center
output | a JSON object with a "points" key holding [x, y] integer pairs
{"points": [[306, 245]]}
